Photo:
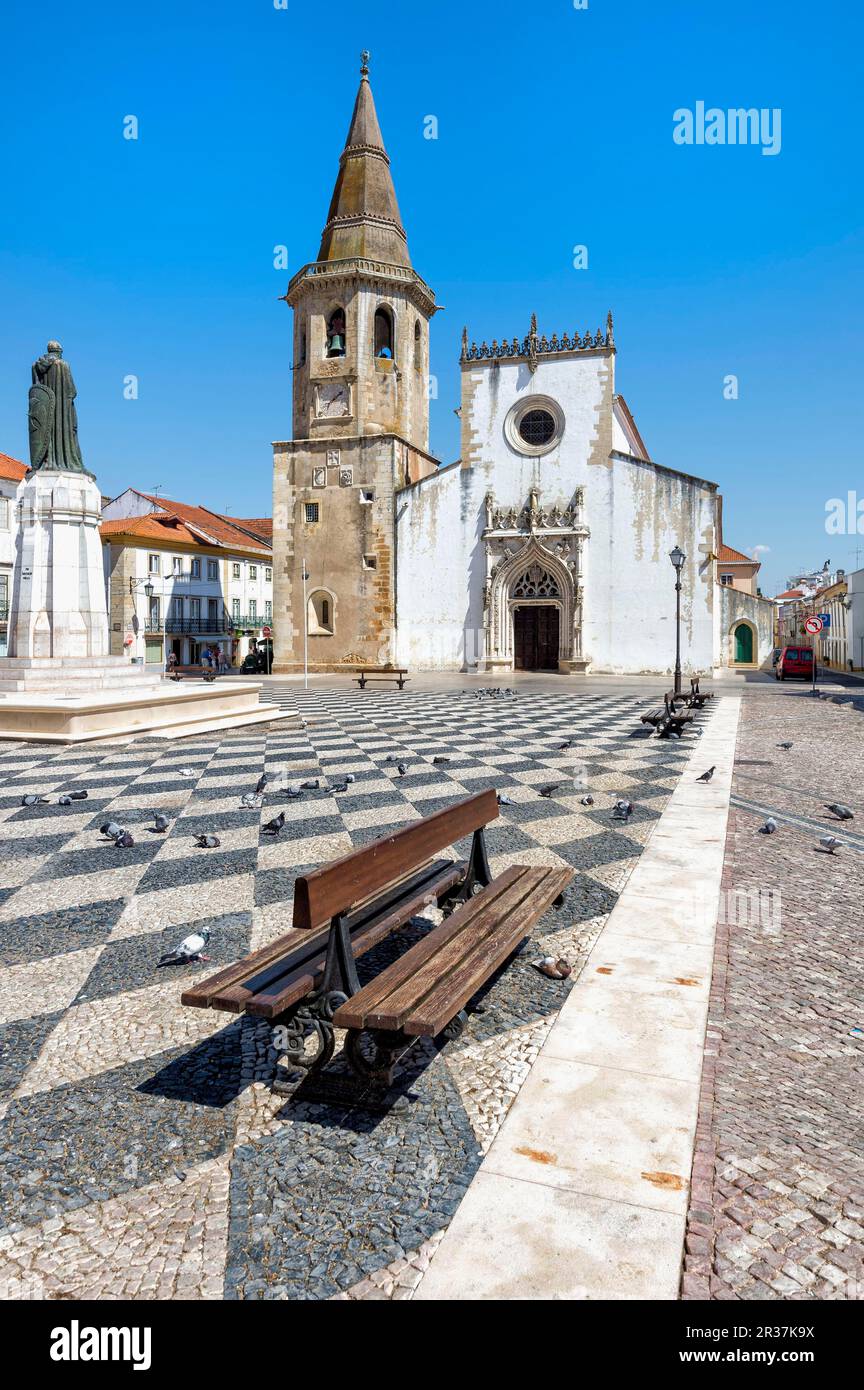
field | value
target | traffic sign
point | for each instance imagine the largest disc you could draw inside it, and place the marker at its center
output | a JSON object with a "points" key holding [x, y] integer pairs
{"points": [[825, 619], [267, 631], [813, 625]]}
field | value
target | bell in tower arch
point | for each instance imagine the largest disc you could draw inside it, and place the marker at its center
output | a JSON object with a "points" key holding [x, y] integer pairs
{"points": [[336, 334]]}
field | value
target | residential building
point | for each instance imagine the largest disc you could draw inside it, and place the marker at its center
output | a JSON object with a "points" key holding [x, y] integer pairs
{"points": [[832, 642], [211, 578], [11, 473], [855, 621], [735, 570]]}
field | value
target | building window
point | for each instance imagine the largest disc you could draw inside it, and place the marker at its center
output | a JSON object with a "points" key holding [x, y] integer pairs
{"points": [[194, 610], [4, 595], [176, 565], [155, 614], [418, 347], [153, 651], [195, 569], [726, 578], [235, 610], [253, 608], [367, 496], [312, 513], [534, 425], [4, 513], [212, 569], [383, 333], [235, 571], [253, 571], [212, 610], [268, 575], [320, 613], [153, 564], [268, 610], [336, 333], [370, 562]]}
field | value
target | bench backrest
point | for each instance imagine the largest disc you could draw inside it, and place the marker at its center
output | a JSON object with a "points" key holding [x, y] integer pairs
{"points": [[357, 876]]}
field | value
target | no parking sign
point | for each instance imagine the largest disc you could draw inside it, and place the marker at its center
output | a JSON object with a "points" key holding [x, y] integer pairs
{"points": [[813, 625]]}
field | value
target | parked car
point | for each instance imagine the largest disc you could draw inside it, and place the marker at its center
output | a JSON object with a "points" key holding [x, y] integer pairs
{"points": [[775, 656], [795, 661]]}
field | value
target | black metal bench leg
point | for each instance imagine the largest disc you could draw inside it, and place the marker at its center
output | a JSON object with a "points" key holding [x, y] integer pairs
{"points": [[372, 1054]]}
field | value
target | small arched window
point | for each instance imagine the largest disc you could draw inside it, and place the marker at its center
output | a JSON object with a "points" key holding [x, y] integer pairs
{"points": [[321, 613], [303, 348], [418, 347], [383, 333], [336, 334]]}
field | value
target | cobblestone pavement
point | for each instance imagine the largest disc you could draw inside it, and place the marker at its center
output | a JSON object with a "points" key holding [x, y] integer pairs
{"points": [[142, 1151], [777, 1197]]}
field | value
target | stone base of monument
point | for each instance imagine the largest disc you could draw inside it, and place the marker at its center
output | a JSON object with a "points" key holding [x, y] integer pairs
{"points": [[56, 702]]}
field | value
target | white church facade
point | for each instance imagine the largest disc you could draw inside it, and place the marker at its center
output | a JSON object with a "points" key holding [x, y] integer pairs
{"points": [[545, 547]]}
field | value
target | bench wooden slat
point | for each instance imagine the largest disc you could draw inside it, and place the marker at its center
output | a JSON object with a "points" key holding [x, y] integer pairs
{"points": [[357, 1012], [282, 993], [319, 896], [447, 998], [495, 907], [198, 996]]}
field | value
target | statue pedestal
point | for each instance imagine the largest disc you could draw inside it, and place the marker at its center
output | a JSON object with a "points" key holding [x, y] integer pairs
{"points": [[59, 606]]}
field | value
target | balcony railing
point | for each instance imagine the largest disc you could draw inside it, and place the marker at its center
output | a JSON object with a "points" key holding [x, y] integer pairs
{"points": [[192, 626], [251, 620]]}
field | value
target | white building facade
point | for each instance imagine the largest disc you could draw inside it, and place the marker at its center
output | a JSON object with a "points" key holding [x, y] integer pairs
{"points": [[11, 473]]}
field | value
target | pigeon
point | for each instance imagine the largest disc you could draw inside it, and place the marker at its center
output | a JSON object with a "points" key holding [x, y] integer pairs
{"points": [[769, 827], [568, 743], [190, 948], [504, 799], [786, 745], [439, 759], [622, 810], [111, 829], [829, 844], [349, 777], [68, 797], [124, 840], [261, 784], [249, 801], [401, 769], [706, 776], [160, 823], [294, 789], [338, 787], [312, 785], [187, 772], [208, 676], [550, 789], [586, 800], [31, 800], [175, 677], [275, 825], [841, 812], [553, 969], [207, 841]]}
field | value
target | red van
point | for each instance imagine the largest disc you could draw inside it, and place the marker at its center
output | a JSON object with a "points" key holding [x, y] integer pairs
{"points": [[795, 661]]}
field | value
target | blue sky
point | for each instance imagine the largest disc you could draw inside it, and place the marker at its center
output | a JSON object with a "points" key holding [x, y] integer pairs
{"points": [[155, 257]]}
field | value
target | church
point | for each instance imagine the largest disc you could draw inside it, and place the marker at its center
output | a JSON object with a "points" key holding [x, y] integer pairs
{"points": [[544, 547]]}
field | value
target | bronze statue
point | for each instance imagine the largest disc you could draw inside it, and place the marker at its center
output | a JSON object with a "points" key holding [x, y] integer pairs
{"points": [[53, 419]]}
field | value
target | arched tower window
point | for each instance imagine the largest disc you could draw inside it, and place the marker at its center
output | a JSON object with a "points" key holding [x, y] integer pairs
{"points": [[320, 616], [336, 333], [383, 333], [418, 347]]}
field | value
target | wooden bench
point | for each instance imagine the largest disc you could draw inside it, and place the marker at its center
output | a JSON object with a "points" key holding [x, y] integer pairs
{"points": [[305, 978], [674, 721], [399, 674], [696, 699]]}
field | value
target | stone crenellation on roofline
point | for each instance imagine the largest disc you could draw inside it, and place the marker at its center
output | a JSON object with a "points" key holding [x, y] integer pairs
{"points": [[532, 346]]}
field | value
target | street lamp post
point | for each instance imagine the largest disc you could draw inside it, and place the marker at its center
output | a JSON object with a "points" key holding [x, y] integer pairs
{"points": [[677, 557], [147, 585]]}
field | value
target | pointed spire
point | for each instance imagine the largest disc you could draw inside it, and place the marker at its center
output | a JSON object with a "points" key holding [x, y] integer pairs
{"points": [[364, 216]]}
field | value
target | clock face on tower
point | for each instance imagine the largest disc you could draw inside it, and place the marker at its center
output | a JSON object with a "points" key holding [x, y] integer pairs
{"points": [[334, 400]]}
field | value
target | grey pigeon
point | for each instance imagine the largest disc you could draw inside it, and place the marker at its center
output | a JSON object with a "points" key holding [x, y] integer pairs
{"points": [[249, 801], [111, 829], [207, 841], [349, 777], [440, 759], [401, 769], [829, 844], [504, 799], [294, 789], [568, 743], [550, 789], [586, 800], [190, 948], [339, 787], [706, 776], [840, 811], [769, 827], [786, 745], [68, 797], [186, 772], [124, 840], [160, 823], [31, 800], [273, 826], [312, 785], [622, 810], [261, 784]]}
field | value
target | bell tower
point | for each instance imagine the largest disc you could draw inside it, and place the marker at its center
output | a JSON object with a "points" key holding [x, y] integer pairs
{"points": [[361, 312], [360, 419]]}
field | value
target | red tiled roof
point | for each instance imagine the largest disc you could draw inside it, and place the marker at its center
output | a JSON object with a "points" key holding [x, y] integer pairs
{"points": [[218, 529], [260, 526], [791, 593], [12, 468], [165, 527], [728, 556]]}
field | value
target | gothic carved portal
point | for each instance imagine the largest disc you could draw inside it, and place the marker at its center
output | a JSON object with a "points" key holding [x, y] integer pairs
{"points": [[534, 560]]}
